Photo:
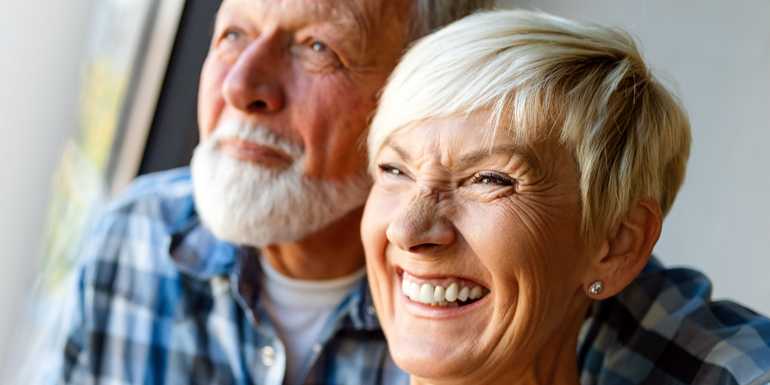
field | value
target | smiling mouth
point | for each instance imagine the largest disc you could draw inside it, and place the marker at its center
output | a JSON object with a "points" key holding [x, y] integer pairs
{"points": [[441, 292]]}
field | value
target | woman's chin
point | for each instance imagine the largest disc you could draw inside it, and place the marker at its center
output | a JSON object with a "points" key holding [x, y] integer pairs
{"points": [[434, 342], [435, 349], [429, 359]]}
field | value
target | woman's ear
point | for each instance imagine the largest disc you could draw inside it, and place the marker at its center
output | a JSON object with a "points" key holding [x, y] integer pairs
{"points": [[625, 252]]}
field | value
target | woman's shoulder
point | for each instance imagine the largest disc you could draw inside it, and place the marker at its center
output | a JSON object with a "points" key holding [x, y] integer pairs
{"points": [[665, 328]]}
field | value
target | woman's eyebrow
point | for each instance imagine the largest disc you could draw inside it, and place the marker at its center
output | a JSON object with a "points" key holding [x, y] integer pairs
{"points": [[403, 154], [477, 156]]}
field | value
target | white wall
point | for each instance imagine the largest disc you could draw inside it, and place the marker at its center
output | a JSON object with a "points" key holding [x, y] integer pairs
{"points": [[41, 44], [716, 54]]}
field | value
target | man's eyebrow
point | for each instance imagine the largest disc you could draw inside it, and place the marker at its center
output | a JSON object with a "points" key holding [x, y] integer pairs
{"points": [[351, 18], [224, 13], [351, 27]]}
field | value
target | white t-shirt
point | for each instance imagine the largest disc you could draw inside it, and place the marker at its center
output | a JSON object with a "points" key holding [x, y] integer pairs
{"points": [[300, 309]]}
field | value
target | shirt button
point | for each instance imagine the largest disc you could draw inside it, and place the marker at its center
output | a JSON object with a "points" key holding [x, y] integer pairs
{"points": [[268, 355], [317, 348], [371, 310], [220, 285]]}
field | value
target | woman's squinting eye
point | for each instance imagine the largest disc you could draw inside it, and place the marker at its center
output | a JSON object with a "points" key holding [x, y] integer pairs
{"points": [[493, 179], [391, 170]]}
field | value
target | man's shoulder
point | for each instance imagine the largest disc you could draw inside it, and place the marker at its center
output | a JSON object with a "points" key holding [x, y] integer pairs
{"points": [[156, 194], [666, 326], [134, 230]]}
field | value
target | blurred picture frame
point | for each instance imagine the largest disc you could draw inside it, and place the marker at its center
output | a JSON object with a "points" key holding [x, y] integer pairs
{"points": [[149, 61], [128, 49]]}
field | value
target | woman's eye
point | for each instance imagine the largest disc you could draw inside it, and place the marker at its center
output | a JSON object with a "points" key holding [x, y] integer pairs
{"points": [[494, 179], [390, 170]]}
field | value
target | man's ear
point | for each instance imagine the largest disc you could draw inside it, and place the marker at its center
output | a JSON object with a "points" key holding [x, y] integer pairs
{"points": [[626, 250]]}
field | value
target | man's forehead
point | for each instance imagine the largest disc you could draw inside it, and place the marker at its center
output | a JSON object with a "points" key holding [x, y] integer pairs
{"points": [[351, 14]]}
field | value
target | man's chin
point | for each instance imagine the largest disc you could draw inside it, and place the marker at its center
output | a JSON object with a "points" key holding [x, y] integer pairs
{"points": [[252, 238], [252, 206]]}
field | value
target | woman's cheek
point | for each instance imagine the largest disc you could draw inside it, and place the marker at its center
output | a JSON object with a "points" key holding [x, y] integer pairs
{"points": [[373, 227], [380, 207]]}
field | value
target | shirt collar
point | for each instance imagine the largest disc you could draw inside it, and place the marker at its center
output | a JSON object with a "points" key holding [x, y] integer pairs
{"points": [[198, 253], [360, 306]]}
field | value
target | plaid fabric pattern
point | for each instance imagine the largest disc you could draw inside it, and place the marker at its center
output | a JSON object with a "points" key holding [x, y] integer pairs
{"points": [[664, 329], [161, 301]]}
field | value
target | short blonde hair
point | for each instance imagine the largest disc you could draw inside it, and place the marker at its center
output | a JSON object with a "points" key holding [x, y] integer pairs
{"points": [[542, 75]]}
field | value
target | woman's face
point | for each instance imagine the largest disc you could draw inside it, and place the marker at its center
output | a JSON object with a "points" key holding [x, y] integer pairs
{"points": [[474, 251]]}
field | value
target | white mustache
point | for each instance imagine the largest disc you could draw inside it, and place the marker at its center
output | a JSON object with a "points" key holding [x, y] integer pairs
{"points": [[243, 130]]}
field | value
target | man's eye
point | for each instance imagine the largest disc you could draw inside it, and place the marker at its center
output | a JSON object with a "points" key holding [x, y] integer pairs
{"points": [[318, 46], [231, 34], [495, 179], [317, 55]]}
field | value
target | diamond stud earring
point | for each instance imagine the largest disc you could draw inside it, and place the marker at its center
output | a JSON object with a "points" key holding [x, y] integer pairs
{"points": [[596, 288]]}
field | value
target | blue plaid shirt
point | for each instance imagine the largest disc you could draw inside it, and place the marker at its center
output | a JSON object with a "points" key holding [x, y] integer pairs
{"points": [[665, 329], [161, 301]]}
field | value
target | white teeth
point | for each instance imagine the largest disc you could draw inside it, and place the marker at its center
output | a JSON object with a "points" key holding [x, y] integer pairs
{"points": [[463, 296], [426, 293], [438, 294], [414, 291], [475, 293], [408, 289], [451, 293]]}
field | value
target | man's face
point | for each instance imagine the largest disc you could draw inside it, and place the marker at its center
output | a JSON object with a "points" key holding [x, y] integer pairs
{"points": [[285, 96], [306, 70]]}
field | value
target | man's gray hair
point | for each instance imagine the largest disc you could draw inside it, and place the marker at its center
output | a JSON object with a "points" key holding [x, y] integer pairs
{"points": [[429, 15]]}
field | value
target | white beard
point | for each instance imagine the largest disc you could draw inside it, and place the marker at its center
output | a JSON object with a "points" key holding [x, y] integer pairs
{"points": [[246, 204]]}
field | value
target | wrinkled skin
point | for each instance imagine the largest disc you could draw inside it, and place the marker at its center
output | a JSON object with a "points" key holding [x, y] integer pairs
{"points": [[449, 202], [308, 71]]}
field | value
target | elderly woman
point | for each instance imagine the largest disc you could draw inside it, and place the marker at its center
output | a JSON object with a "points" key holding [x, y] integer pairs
{"points": [[523, 165]]}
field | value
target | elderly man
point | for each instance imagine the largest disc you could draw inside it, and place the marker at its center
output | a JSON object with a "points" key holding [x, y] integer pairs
{"points": [[247, 268]]}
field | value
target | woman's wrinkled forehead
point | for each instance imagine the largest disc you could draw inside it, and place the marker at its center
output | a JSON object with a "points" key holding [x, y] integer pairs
{"points": [[460, 142]]}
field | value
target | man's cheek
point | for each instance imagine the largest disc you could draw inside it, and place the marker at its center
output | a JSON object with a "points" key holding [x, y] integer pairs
{"points": [[211, 102]]}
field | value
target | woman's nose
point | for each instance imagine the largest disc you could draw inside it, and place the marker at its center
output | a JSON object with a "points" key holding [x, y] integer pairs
{"points": [[418, 228], [252, 85]]}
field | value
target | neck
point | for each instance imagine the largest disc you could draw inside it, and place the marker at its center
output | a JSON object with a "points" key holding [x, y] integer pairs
{"points": [[334, 251]]}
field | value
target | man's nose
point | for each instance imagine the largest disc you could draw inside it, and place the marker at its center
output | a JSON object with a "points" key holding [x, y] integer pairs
{"points": [[253, 83], [418, 228]]}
